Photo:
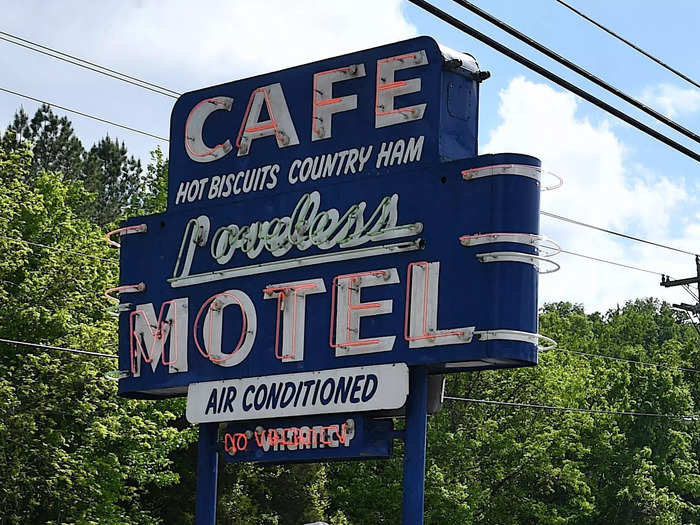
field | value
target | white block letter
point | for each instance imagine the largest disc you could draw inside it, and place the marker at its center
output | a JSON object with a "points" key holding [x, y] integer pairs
{"points": [[214, 324], [420, 328], [147, 336], [196, 149], [388, 89], [291, 305], [279, 124], [349, 312], [324, 105]]}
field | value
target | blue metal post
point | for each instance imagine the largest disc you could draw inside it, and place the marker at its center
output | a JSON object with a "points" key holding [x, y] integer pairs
{"points": [[414, 457], [207, 471]]}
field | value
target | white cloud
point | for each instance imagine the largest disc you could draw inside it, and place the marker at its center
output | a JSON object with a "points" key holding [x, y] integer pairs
{"points": [[601, 187], [179, 44], [672, 100], [196, 44]]}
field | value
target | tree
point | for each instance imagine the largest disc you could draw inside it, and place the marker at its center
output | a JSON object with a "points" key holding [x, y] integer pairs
{"points": [[72, 450], [497, 464], [115, 179], [54, 145]]}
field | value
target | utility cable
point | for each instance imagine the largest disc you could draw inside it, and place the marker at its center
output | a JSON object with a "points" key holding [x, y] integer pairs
{"points": [[612, 232], [501, 48], [84, 114], [628, 266], [683, 417], [59, 348], [630, 361], [688, 289], [54, 53], [630, 44], [577, 69], [39, 245]]}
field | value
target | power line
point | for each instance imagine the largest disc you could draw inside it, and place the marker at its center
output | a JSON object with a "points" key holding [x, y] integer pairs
{"points": [[59, 348], [630, 361], [683, 417], [688, 289], [38, 244], [612, 262], [612, 232], [445, 17], [53, 53], [630, 44], [576, 68], [84, 114]]}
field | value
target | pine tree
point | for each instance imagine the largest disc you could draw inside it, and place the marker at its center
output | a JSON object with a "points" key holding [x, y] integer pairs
{"points": [[54, 144], [116, 180]]}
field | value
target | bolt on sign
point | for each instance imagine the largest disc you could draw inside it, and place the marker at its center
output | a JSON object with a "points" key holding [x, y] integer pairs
{"points": [[329, 226]]}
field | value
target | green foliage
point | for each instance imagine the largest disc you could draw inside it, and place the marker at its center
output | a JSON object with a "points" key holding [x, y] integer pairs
{"points": [[496, 465], [72, 451], [115, 180], [55, 146]]}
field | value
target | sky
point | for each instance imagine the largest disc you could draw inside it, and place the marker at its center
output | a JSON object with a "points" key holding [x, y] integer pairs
{"points": [[614, 176]]}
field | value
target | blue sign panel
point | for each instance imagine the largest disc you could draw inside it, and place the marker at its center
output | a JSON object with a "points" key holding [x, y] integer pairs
{"points": [[333, 215], [320, 438]]}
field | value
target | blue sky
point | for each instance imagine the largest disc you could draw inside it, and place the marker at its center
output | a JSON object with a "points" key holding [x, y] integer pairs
{"points": [[615, 176], [667, 33]]}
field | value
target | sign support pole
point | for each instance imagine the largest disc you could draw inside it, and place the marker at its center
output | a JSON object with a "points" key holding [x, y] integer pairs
{"points": [[207, 472], [414, 456]]}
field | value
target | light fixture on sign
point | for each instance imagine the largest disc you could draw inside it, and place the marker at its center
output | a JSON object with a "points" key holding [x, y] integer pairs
{"points": [[127, 288]]}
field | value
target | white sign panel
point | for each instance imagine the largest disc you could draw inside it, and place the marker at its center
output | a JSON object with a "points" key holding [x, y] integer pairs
{"points": [[357, 389]]}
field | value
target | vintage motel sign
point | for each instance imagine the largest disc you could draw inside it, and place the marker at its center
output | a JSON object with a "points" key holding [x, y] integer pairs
{"points": [[327, 222]]}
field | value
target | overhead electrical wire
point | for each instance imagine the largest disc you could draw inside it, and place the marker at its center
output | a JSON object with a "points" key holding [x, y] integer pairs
{"points": [[628, 266], [60, 55], [613, 232], [577, 69], [458, 24], [683, 417], [57, 248], [75, 111], [630, 361], [630, 44], [58, 348]]}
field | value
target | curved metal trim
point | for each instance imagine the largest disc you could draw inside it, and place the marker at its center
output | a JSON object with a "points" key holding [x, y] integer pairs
{"points": [[530, 239], [558, 184], [116, 375], [524, 170], [534, 260], [137, 228], [127, 288], [517, 335]]}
